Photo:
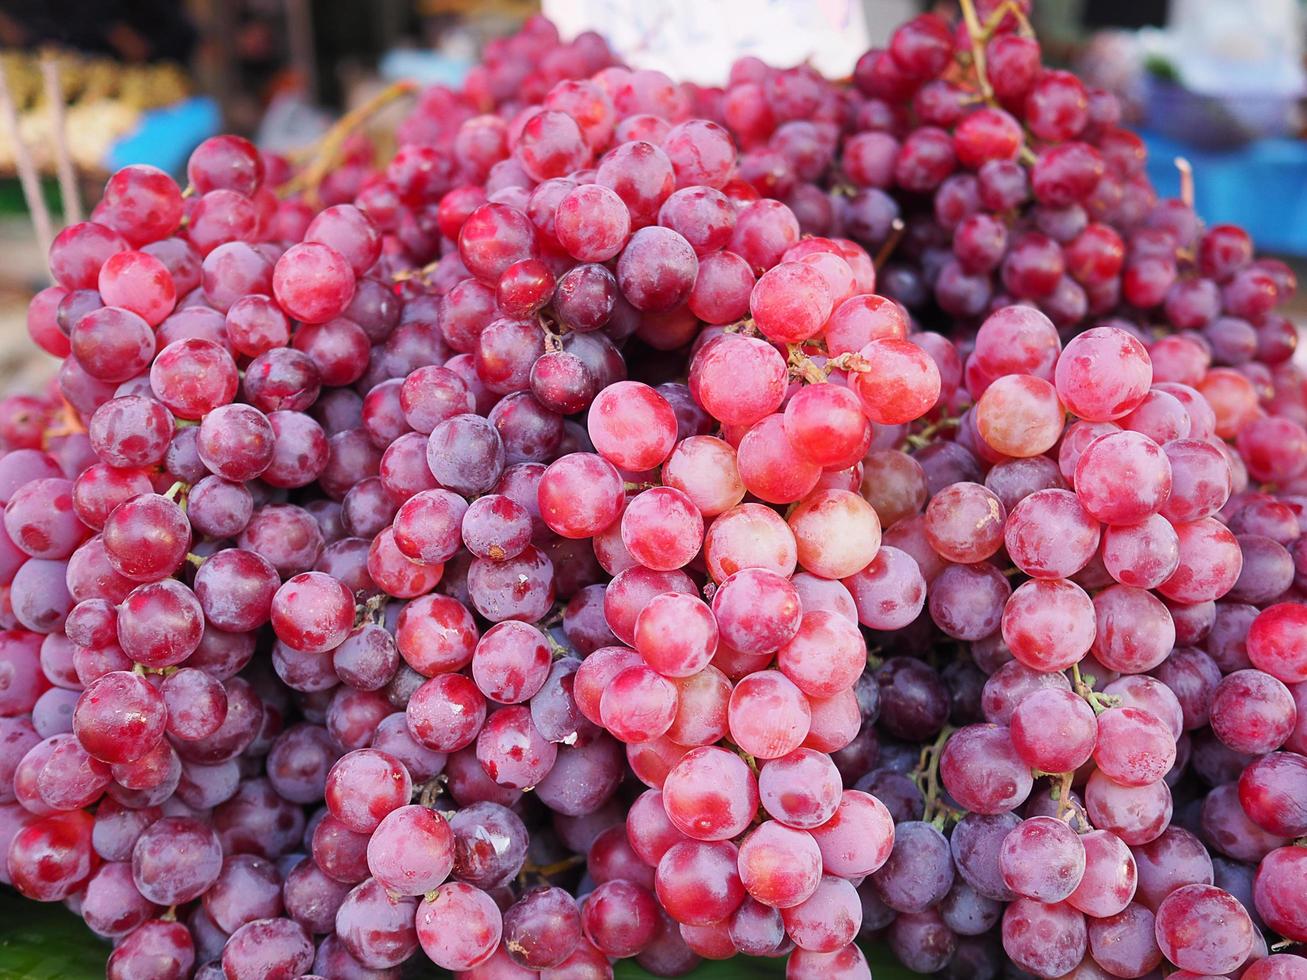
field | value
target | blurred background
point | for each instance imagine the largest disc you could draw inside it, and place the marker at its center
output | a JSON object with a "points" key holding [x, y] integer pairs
{"points": [[143, 81]]}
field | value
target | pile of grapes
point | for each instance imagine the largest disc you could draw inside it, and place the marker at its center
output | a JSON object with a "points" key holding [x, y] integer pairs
{"points": [[646, 521]]}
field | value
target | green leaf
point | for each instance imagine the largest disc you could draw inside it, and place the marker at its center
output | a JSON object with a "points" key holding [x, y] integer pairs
{"points": [[44, 941]]}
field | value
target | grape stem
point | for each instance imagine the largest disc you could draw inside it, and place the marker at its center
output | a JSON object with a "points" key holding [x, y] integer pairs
{"points": [[926, 776], [749, 760], [1062, 793], [371, 610], [549, 870], [553, 336], [896, 230], [67, 424], [745, 326], [977, 35], [1001, 11], [328, 149], [1186, 181], [848, 361], [430, 791], [404, 275], [1084, 686], [557, 649], [803, 367], [920, 440]]}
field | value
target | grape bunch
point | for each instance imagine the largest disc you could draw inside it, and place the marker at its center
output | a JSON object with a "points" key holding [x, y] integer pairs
{"points": [[638, 520]]}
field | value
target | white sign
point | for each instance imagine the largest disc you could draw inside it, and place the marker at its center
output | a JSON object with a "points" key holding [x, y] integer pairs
{"points": [[696, 40]]}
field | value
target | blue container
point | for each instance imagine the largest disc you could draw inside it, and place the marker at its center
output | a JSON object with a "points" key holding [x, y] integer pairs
{"points": [[1214, 122], [1261, 186], [165, 137]]}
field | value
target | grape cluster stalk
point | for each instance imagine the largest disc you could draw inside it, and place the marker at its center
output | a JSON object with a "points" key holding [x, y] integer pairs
{"points": [[641, 520]]}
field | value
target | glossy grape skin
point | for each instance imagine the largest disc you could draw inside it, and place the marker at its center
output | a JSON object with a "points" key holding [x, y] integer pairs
{"points": [[1123, 478], [580, 494], [768, 715], [964, 523], [119, 717], [1282, 867], [620, 918], [145, 538], [459, 926], [1050, 535], [825, 657], [662, 529], [1271, 643], [592, 223], [913, 698], [1103, 374], [112, 906], [980, 767], [267, 947], [101, 488], [858, 838], [364, 786], [888, 593], [1252, 712], [542, 928], [966, 601], [1134, 747], [1110, 876], [1142, 555], [801, 789], [312, 612], [757, 610], [779, 866], [49, 857], [1135, 814], [1049, 624], [235, 588], [1019, 415], [907, 382], [1042, 859], [156, 948], [1210, 562], [1061, 930], [698, 883], [411, 852], [912, 884], [376, 928], [1053, 730], [710, 794], [1268, 791], [796, 137], [512, 751], [1274, 967], [1203, 928], [1135, 630], [175, 860]]}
